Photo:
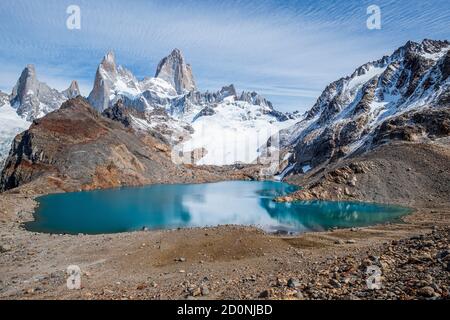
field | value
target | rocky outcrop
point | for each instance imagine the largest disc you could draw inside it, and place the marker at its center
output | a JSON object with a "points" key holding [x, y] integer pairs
{"points": [[227, 91], [413, 174], [414, 126], [26, 85], [175, 71], [4, 98], [122, 114], [205, 112], [30, 99], [255, 99]]}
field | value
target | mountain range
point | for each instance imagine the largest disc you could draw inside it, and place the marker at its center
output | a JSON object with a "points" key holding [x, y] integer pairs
{"points": [[217, 124], [403, 96], [168, 104]]}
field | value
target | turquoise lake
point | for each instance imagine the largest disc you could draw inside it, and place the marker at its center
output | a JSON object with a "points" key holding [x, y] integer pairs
{"points": [[200, 205]]}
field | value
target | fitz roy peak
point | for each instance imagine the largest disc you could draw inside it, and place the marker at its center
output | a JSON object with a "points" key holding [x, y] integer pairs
{"points": [[113, 82], [105, 78], [175, 71]]}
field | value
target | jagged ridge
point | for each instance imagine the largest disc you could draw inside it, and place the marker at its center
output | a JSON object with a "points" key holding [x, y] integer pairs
{"points": [[346, 118]]}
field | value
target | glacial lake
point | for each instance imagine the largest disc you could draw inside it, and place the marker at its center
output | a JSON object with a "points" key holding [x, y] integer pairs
{"points": [[200, 205]]}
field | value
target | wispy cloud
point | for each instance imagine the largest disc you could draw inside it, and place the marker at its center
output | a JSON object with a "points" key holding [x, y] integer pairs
{"points": [[288, 50]]}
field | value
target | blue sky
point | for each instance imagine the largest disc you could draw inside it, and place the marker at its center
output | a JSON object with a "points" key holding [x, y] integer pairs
{"points": [[286, 50]]}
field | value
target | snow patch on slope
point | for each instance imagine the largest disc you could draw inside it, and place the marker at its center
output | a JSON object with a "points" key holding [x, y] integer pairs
{"points": [[234, 134], [358, 81], [11, 124]]}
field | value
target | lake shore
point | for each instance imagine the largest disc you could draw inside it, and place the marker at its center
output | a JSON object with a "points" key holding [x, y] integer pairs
{"points": [[227, 262]]}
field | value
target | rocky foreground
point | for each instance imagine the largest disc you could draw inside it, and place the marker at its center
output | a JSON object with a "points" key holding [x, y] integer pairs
{"points": [[232, 262], [413, 268], [227, 262], [151, 267]]}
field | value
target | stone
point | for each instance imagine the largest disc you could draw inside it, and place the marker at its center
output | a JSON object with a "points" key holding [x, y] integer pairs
{"points": [[266, 294], [335, 283], [422, 283], [281, 282], [366, 262], [204, 290], [427, 292], [195, 292], [443, 254], [425, 257], [299, 295], [29, 291], [4, 248], [293, 283], [142, 286], [350, 241]]}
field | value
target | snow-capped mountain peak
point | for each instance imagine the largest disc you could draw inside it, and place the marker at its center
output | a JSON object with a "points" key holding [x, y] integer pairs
{"points": [[349, 110], [26, 85], [73, 90], [177, 72], [32, 98], [114, 82]]}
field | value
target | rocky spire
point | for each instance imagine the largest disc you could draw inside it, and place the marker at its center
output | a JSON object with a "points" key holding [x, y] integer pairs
{"points": [[228, 91], [255, 99], [32, 98], [73, 91], [174, 70], [109, 63], [104, 78], [26, 85]]}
